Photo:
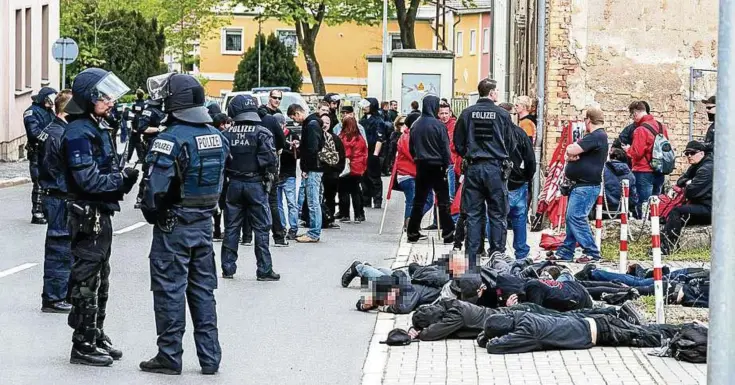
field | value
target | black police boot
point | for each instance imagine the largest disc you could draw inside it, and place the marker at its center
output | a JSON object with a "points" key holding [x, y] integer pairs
{"points": [[350, 274], [55, 307], [86, 353], [270, 276], [38, 219], [105, 344], [158, 365]]}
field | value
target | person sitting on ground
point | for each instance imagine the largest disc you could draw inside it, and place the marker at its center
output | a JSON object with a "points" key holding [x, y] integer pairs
{"points": [[697, 182], [452, 318], [523, 332]]}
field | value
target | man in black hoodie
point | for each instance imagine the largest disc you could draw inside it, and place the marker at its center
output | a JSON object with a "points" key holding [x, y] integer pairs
{"points": [[697, 182], [429, 146], [375, 126]]}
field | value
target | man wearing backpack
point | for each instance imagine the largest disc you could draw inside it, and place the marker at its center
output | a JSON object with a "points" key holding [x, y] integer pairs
{"points": [[651, 154]]}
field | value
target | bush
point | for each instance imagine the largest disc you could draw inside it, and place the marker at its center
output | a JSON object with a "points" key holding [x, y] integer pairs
{"points": [[278, 67]]}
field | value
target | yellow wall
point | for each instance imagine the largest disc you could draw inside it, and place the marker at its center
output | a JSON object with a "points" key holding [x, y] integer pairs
{"points": [[467, 61], [340, 51]]}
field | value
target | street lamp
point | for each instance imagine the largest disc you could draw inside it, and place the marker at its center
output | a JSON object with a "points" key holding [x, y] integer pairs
{"points": [[385, 51]]}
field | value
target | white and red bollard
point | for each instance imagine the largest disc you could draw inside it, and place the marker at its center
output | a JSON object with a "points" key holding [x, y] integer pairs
{"points": [[624, 226], [598, 218], [657, 272]]}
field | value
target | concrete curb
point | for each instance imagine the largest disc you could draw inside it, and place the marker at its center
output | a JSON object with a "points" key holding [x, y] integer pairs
{"points": [[14, 181]]}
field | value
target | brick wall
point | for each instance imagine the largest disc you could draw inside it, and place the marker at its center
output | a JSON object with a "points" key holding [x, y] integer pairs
{"points": [[610, 53]]}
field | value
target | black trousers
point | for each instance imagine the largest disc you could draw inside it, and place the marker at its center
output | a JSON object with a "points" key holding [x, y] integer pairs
{"points": [[372, 185], [689, 214], [36, 192], [279, 233], [613, 331], [349, 188], [430, 177], [331, 188]]}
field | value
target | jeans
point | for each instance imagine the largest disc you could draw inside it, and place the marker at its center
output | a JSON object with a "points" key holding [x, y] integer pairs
{"points": [[647, 184], [287, 187], [452, 182], [565, 277], [409, 191], [370, 272], [312, 190], [630, 280], [581, 200], [517, 217]]}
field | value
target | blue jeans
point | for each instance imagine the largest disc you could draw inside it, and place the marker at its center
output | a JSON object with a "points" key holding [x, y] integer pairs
{"points": [[288, 188], [452, 182], [517, 217], [630, 280], [565, 277], [647, 184], [581, 200], [370, 272], [312, 190], [409, 190]]}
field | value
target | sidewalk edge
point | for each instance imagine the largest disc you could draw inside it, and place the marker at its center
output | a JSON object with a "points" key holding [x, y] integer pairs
{"points": [[14, 181]]}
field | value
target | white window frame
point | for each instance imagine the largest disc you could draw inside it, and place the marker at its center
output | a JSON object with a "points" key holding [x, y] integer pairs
{"points": [[296, 51], [473, 42], [459, 44], [391, 36], [486, 40], [223, 40]]}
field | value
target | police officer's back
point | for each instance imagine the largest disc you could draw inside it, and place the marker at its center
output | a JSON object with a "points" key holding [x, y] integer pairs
{"points": [[39, 115], [484, 138], [250, 170], [186, 164]]}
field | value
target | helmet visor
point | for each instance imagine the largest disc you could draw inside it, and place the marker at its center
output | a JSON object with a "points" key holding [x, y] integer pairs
{"points": [[111, 87], [158, 86]]}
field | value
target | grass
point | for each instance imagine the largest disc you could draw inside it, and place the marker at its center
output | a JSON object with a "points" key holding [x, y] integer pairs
{"points": [[638, 251]]}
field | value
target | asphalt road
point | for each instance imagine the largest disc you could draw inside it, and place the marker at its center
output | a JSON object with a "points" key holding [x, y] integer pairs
{"points": [[301, 330]]}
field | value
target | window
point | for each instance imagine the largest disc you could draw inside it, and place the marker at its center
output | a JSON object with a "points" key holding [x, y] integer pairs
{"points": [[28, 48], [232, 41], [459, 44], [486, 40], [473, 42], [44, 43], [18, 50], [289, 39], [395, 41]]}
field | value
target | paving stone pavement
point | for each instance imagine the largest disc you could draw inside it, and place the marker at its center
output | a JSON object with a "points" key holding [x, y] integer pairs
{"points": [[10, 170], [452, 362]]}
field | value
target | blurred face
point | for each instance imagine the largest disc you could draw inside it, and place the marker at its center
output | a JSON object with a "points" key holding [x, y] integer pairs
{"points": [[333, 106], [457, 264], [366, 110], [394, 106], [323, 110], [298, 117], [521, 108], [326, 122], [444, 114], [637, 115], [401, 125], [693, 156], [275, 99]]}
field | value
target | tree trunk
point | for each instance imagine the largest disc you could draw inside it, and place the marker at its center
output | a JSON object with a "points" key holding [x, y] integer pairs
{"points": [[407, 22], [306, 35]]}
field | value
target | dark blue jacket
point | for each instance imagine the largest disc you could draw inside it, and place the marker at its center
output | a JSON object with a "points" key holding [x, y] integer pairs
{"points": [[136, 110], [615, 172], [92, 174], [429, 140], [252, 152], [484, 131], [312, 141], [35, 119], [50, 159], [375, 126], [152, 116]]}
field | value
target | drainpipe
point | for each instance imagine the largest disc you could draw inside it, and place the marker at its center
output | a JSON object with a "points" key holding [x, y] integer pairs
{"points": [[454, 47], [491, 75], [507, 55], [540, 93]]}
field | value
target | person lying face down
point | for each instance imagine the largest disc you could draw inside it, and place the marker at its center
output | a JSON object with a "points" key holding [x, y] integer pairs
{"points": [[562, 294], [452, 318], [522, 332]]}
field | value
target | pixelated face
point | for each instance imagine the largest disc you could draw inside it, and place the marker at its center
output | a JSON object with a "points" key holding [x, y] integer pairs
{"points": [[391, 298], [325, 122], [444, 114], [458, 264]]}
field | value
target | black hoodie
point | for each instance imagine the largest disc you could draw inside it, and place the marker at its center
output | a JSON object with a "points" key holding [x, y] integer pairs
{"points": [[312, 142], [429, 141], [701, 174], [374, 125]]}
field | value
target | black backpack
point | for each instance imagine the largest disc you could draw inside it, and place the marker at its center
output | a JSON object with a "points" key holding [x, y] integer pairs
{"points": [[690, 344]]}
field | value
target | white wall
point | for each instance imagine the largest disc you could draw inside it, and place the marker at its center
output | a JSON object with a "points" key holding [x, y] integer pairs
{"points": [[403, 65], [375, 80], [500, 45]]}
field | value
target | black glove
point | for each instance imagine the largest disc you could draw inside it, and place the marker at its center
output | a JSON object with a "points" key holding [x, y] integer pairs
{"points": [[130, 176]]}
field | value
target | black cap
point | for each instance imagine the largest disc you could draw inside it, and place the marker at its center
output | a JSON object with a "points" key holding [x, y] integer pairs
{"points": [[710, 100], [397, 337], [347, 109], [244, 107], [696, 146]]}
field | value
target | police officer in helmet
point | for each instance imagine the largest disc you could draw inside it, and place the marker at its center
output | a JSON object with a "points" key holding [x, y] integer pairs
{"points": [[133, 114], [149, 125], [183, 185], [251, 170], [484, 138], [39, 115], [95, 185]]}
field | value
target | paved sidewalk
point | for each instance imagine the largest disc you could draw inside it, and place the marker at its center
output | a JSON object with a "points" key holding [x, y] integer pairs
{"points": [[463, 362]]}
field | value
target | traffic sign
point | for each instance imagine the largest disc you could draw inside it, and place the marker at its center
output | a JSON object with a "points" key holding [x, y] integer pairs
{"points": [[65, 50]]}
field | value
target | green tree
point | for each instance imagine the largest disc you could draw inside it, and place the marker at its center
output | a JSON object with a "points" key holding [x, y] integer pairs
{"points": [[278, 67], [308, 15]]}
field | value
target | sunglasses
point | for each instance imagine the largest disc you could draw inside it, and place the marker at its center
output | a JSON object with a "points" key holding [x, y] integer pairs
{"points": [[709, 107], [276, 98], [691, 153]]}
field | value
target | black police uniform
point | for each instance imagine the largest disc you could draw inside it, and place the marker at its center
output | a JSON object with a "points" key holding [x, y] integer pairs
{"points": [[136, 143], [35, 119], [151, 117], [95, 185], [372, 185], [57, 259], [251, 171], [484, 137], [186, 164]]}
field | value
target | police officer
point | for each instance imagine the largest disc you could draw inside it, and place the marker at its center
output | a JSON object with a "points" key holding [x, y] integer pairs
{"points": [[134, 113], [251, 170], [484, 138], [375, 128], [185, 179], [95, 186], [149, 125], [57, 257], [39, 115]]}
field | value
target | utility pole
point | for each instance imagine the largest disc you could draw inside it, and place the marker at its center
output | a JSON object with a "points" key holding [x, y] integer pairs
{"points": [[540, 94], [721, 344], [385, 51], [260, 37]]}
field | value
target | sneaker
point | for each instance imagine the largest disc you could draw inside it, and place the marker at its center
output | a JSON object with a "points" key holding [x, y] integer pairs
{"points": [[228, 276], [586, 259], [56, 307], [157, 365], [431, 227], [350, 274], [620, 298], [333, 226], [629, 313], [346, 220], [378, 206], [209, 370], [585, 273], [340, 216], [217, 237], [291, 236], [416, 238], [280, 243], [359, 219], [271, 276], [306, 239]]}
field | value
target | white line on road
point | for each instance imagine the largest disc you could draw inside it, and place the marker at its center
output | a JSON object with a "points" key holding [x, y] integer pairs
{"points": [[129, 228], [5, 273]]}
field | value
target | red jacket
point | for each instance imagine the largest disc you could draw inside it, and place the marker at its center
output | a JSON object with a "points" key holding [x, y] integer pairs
{"points": [[641, 151], [356, 151], [404, 161], [455, 158]]}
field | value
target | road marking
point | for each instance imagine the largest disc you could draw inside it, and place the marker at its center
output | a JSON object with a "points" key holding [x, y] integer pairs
{"points": [[129, 228], [16, 269]]}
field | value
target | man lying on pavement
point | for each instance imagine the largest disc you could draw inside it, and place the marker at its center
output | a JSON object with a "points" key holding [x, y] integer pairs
{"points": [[562, 294], [522, 332], [452, 318]]}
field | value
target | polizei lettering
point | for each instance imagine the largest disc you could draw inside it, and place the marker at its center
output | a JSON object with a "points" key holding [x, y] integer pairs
{"points": [[163, 146], [242, 129], [483, 115], [206, 142]]}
